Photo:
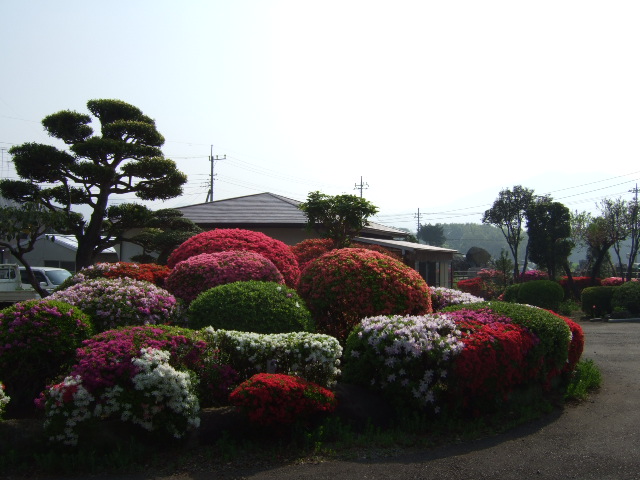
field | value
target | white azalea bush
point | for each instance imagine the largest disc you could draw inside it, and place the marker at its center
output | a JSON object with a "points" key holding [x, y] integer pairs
{"points": [[4, 399], [314, 357], [158, 398], [407, 358], [442, 297]]}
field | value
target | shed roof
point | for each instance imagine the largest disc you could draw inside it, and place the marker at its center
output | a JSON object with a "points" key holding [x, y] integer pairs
{"points": [[262, 209], [409, 246]]}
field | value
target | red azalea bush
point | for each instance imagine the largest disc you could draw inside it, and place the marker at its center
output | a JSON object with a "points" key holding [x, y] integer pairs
{"points": [[343, 286], [227, 239], [308, 250], [474, 286], [105, 359], [276, 399], [494, 360], [614, 281], [580, 283], [38, 338], [576, 345], [149, 272], [196, 274]]}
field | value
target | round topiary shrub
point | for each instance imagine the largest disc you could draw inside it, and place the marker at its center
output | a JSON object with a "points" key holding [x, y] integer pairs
{"points": [[541, 293], [253, 306], [596, 301], [119, 302], [38, 340], [308, 250], [511, 293], [227, 239], [196, 274], [626, 297], [343, 286]]}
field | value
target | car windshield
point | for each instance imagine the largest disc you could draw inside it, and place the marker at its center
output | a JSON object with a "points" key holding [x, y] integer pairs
{"points": [[57, 276]]}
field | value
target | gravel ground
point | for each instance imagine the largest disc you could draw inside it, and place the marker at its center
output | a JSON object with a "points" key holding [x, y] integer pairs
{"points": [[599, 439]]}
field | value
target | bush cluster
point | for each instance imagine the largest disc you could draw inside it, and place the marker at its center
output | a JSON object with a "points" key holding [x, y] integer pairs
{"points": [[228, 239], [626, 298], [596, 301], [252, 306], [148, 272], [199, 273], [541, 293], [343, 286]]}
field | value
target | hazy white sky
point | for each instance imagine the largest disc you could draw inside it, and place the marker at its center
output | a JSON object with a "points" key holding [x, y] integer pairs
{"points": [[437, 105]]}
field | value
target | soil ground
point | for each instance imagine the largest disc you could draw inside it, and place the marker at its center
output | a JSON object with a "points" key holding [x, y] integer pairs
{"points": [[598, 439]]}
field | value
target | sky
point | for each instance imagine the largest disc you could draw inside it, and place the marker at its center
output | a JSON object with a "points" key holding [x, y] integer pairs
{"points": [[435, 107]]}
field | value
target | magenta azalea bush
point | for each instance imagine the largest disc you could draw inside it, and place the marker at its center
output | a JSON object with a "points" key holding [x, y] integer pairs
{"points": [[228, 239], [118, 302], [105, 359], [196, 274], [343, 286], [37, 340]]}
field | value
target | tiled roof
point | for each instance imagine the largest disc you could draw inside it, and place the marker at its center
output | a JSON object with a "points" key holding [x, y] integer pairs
{"points": [[261, 209]]}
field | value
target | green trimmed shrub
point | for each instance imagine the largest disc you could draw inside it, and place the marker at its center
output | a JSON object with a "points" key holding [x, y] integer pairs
{"points": [[38, 340], [627, 297], [596, 301], [511, 293], [252, 306], [541, 293]]}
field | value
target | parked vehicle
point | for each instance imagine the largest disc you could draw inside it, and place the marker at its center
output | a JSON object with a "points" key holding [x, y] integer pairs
{"points": [[11, 289], [49, 277]]}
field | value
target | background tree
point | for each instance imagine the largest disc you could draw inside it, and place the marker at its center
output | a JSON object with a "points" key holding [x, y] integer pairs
{"points": [[340, 217], [549, 230], [163, 231], [616, 212], [124, 159], [598, 234], [508, 213], [21, 227], [432, 234], [634, 233]]}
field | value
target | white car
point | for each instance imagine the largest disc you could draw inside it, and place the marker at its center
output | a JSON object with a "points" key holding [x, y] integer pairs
{"points": [[49, 277]]}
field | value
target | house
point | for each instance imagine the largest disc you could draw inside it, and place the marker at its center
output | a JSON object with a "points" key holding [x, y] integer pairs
{"points": [[280, 218]]}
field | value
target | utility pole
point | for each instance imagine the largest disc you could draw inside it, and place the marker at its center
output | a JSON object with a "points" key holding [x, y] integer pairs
{"points": [[634, 233], [361, 186], [417, 215], [213, 160]]}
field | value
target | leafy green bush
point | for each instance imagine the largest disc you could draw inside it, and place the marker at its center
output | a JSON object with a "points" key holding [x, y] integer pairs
{"points": [[511, 293], [38, 339], [541, 293], [585, 379], [252, 306], [627, 297], [596, 301]]}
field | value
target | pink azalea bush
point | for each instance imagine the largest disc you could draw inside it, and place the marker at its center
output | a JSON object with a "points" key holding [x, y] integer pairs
{"points": [[343, 286], [118, 302], [196, 274], [38, 339], [228, 239], [531, 275]]}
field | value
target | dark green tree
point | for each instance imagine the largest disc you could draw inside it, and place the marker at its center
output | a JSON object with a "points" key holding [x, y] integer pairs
{"points": [[340, 217], [598, 234], [549, 230], [162, 233], [508, 213], [22, 226], [432, 234], [124, 158]]}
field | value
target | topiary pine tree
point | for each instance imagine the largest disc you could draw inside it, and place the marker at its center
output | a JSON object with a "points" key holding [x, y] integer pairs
{"points": [[125, 158]]}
